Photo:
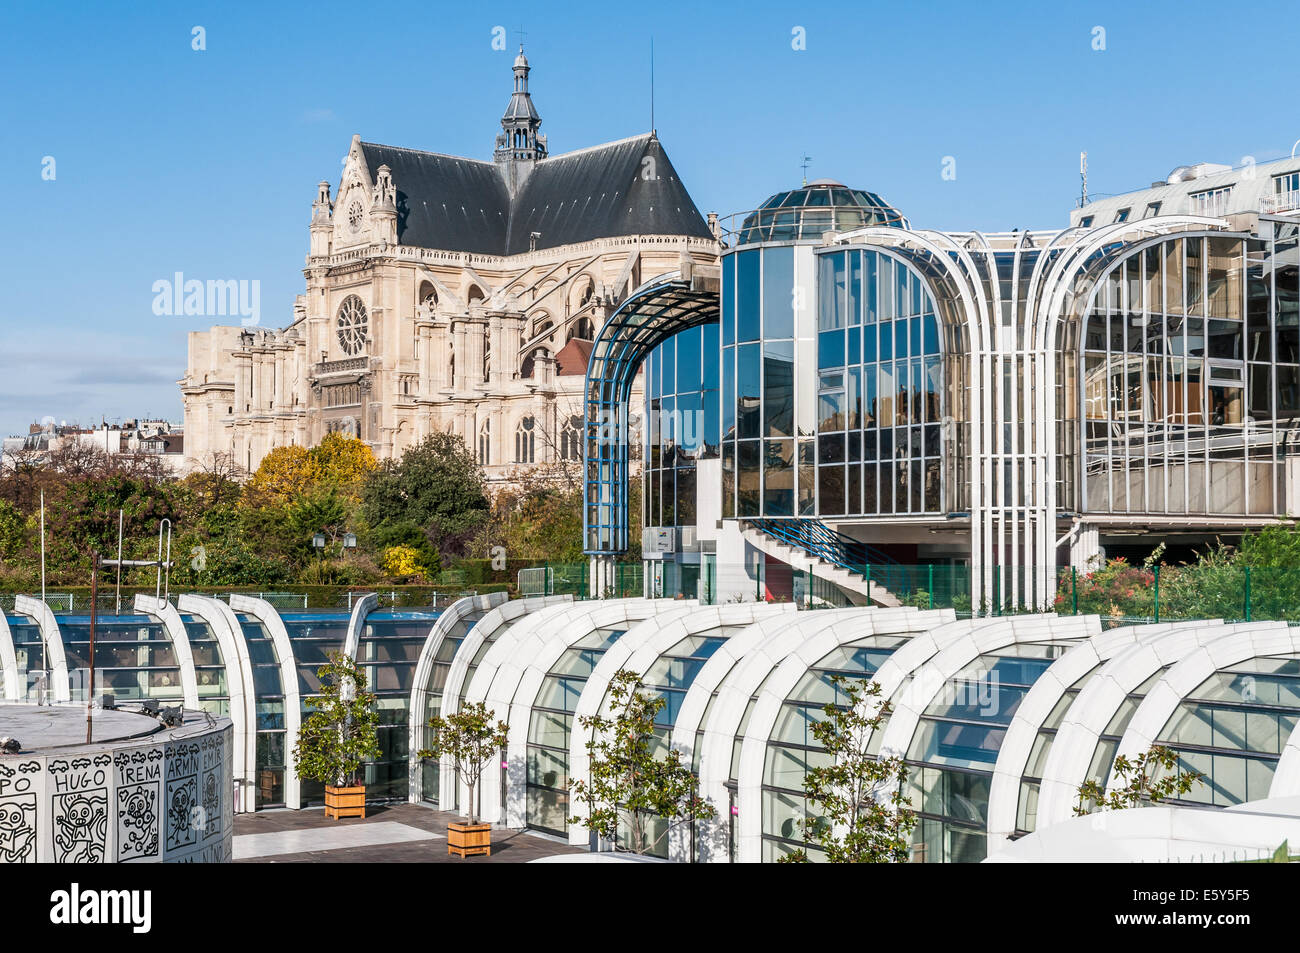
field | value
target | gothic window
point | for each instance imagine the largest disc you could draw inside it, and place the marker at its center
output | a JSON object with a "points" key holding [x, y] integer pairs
{"points": [[352, 324], [525, 441], [571, 439], [485, 443]]}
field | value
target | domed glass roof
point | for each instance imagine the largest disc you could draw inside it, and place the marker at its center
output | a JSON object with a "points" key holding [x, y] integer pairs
{"points": [[820, 206]]}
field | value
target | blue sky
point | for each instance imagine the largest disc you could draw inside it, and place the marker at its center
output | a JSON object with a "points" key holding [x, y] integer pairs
{"points": [[169, 159]]}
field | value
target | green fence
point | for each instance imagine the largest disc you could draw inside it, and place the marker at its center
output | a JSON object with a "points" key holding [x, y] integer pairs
{"points": [[1118, 592]]}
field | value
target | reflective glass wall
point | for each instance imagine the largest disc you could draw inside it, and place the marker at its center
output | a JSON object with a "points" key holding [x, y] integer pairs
{"points": [[879, 388], [33, 676], [681, 425], [832, 385], [389, 648], [1191, 377], [134, 658]]}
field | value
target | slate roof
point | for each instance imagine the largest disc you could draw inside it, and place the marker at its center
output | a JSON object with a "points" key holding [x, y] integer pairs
{"points": [[456, 204]]}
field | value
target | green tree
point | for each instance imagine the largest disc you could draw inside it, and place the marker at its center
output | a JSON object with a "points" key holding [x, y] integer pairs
{"points": [[1143, 779], [436, 485], [628, 785], [471, 737], [863, 816], [340, 735]]}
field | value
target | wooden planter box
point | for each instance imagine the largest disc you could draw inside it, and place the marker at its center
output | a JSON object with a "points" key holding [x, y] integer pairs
{"points": [[345, 802], [466, 840]]}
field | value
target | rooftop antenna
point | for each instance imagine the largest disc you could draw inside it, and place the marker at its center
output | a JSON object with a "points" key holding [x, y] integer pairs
{"points": [[1083, 175], [652, 86], [803, 164]]}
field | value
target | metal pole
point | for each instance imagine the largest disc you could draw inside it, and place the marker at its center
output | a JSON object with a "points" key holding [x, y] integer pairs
{"points": [[1074, 587], [42, 545], [931, 585], [117, 609], [90, 687], [1157, 593], [167, 566], [1247, 593]]}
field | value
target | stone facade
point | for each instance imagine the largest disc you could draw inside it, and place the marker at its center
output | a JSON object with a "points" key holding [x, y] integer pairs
{"points": [[397, 336]]}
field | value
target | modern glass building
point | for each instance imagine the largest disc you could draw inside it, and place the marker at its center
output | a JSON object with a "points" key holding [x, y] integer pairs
{"points": [[1009, 402]]}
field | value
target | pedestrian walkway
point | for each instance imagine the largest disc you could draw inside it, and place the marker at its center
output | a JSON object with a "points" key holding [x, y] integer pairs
{"points": [[397, 833], [257, 846]]}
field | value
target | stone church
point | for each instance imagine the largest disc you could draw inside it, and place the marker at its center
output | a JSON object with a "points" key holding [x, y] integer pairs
{"points": [[453, 294]]}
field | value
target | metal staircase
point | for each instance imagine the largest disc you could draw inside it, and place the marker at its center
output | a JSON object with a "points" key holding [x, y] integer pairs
{"points": [[810, 545]]}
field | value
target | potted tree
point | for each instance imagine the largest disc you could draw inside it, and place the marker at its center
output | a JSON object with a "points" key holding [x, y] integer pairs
{"points": [[471, 738], [339, 736]]}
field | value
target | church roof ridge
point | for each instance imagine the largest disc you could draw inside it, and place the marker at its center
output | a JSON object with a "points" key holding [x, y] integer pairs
{"points": [[426, 152], [602, 145]]}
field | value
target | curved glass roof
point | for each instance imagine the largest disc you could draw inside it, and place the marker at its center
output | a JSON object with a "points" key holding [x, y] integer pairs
{"points": [[820, 206]]}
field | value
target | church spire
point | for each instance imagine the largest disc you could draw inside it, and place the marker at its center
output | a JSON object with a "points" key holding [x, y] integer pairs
{"points": [[519, 140]]}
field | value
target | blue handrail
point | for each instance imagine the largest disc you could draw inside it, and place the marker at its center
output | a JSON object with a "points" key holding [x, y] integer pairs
{"points": [[817, 539]]}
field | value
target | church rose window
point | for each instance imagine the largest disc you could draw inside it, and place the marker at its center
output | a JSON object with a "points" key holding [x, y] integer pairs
{"points": [[352, 324]]}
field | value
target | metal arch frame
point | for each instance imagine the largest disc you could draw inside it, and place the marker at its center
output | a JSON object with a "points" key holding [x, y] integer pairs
{"points": [[1098, 283], [1048, 306], [56, 660], [731, 677], [485, 632], [1038, 703], [637, 650], [265, 613], [674, 622], [1080, 730], [170, 619], [360, 609], [510, 676], [8, 661], [651, 314], [1160, 704], [952, 258], [788, 664], [229, 635], [457, 612], [929, 678]]}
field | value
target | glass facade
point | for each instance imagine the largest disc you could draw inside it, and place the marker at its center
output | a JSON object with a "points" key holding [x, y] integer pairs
{"points": [[955, 747], [270, 712], [33, 676], [809, 212], [134, 658], [389, 648], [792, 749], [1191, 377], [431, 768], [832, 386], [549, 726], [209, 666], [1232, 729], [1031, 781], [681, 426]]}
